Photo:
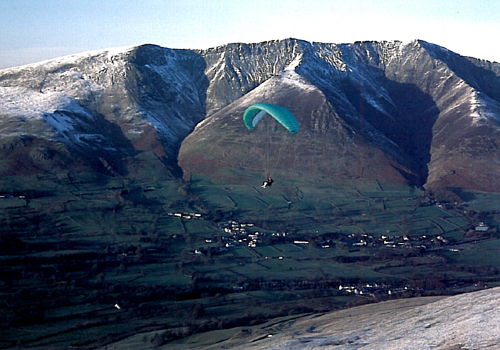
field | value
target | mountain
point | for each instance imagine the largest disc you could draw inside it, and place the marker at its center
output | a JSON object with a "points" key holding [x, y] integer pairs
{"points": [[402, 112], [107, 111], [390, 110]]}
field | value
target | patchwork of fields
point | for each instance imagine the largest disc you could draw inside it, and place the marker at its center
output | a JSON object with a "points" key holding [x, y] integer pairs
{"points": [[83, 256]]}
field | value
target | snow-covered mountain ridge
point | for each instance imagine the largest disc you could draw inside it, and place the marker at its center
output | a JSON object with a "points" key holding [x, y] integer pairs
{"points": [[423, 110], [103, 104]]}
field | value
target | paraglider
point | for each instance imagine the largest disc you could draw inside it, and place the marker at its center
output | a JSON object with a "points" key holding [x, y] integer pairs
{"points": [[269, 181], [255, 113]]}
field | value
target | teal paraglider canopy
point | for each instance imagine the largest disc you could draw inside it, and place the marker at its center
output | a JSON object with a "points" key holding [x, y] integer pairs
{"points": [[256, 112]]}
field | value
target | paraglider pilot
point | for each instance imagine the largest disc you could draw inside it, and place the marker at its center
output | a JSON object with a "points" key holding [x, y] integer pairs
{"points": [[268, 182]]}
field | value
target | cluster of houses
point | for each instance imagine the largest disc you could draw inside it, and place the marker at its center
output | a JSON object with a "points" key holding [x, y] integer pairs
{"points": [[187, 216], [422, 241], [13, 201], [373, 289], [238, 234], [244, 234], [6, 196], [361, 288], [241, 234], [482, 227], [414, 242]]}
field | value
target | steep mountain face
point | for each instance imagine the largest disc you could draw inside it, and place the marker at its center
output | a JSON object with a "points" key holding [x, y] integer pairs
{"points": [[404, 112]]}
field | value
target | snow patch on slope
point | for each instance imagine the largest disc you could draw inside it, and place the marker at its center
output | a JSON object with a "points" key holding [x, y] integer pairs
{"points": [[484, 109], [108, 54], [220, 65], [291, 77], [53, 116], [17, 103], [26, 103], [373, 102], [394, 50], [330, 54]]}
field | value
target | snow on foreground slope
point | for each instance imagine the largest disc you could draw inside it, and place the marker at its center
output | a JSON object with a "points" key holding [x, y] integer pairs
{"points": [[467, 321]]}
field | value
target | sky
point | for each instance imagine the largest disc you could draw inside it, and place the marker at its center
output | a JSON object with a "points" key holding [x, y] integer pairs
{"points": [[35, 30]]}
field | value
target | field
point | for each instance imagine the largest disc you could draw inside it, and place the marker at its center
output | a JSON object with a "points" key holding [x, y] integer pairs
{"points": [[88, 260]]}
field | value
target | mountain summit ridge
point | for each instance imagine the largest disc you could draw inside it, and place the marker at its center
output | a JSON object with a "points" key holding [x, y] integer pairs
{"points": [[399, 111]]}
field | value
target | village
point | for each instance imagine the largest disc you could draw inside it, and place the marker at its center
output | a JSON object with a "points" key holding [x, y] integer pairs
{"points": [[236, 234], [374, 289]]}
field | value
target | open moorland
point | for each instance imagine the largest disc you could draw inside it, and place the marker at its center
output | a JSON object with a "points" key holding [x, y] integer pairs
{"points": [[90, 260]]}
